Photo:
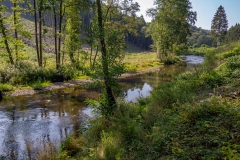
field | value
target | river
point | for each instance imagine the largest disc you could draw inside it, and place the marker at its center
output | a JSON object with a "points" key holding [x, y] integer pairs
{"points": [[28, 124]]}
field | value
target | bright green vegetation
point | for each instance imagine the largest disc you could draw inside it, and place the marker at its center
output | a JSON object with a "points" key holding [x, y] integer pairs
{"points": [[195, 116], [171, 26], [230, 48], [140, 61], [200, 50]]}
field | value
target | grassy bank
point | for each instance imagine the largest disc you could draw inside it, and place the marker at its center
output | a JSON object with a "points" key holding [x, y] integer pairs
{"points": [[195, 116], [26, 73]]}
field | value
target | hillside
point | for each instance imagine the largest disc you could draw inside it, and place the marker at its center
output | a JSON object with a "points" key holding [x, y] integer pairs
{"points": [[200, 37]]}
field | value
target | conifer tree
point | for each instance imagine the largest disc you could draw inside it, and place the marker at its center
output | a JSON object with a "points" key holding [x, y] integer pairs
{"points": [[219, 25]]}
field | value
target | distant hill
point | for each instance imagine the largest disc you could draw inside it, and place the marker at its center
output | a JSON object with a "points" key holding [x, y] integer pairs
{"points": [[200, 37]]}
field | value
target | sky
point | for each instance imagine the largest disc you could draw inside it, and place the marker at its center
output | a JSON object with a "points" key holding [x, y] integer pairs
{"points": [[205, 11]]}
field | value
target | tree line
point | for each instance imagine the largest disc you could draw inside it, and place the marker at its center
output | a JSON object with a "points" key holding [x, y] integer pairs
{"points": [[219, 29]]}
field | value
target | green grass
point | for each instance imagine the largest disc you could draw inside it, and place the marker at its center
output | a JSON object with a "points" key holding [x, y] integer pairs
{"points": [[140, 61], [40, 85]]}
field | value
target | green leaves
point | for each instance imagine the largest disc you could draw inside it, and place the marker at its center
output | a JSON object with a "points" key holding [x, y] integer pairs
{"points": [[171, 26]]}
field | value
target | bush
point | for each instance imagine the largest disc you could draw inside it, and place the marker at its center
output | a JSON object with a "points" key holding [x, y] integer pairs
{"points": [[230, 69], [24, 73], [6, 87], [231, 53], [207, 130], [185, 87]]}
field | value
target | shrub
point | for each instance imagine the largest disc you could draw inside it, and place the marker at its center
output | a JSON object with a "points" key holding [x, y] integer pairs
{"points": [[231, 53], [6, 87], [208, 130], [24, 73], [230, 69]]}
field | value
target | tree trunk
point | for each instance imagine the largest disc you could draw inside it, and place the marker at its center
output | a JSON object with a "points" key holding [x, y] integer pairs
{"points": [[55, 36], [94, 60], [36, 31], [107, 79], [40, 37], [15, 30], [3, 30], [60, 32]]}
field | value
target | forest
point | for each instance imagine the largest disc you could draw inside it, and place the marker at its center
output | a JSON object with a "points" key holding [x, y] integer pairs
{"points": [[191, 115]]}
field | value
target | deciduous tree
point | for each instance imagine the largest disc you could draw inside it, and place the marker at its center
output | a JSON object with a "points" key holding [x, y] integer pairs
{"points": [[171, 26], [114, 19]]}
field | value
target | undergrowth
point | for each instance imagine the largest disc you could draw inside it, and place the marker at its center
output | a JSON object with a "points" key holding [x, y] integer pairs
{"points": [[24, 73], [187, 118]]}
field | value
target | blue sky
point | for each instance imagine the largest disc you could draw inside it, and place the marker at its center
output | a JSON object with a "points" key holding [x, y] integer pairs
{"points": [[205, 10]]}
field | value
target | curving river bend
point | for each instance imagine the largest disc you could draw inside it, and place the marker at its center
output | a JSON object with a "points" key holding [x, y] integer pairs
{"points": [[28, 124]]}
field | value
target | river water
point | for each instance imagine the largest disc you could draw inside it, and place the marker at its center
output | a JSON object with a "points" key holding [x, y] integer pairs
{"points": [[29, 124]]}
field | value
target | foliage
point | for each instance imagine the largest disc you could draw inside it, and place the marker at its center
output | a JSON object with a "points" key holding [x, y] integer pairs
{"points": [[231, 53], [230, 69], [233, 34], [141, 39], [6, 87], [25, 74], [72, 41], [219, 25], [199, 37], [201, 51], [206, 129], [113, 22], [171, 26]]}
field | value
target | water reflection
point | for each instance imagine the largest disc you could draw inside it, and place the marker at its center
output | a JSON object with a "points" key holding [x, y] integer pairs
{"points": [[134, 93], [31, 123], [28, 124]]}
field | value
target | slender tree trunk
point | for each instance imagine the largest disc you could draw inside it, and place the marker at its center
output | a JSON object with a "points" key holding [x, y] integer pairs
{"points": [[106, 77], [91, 55], [55, 36], [40, 38], [3, 30], [15, 30], [36, 30], [91, 44], [60, 34], [94, 60]]}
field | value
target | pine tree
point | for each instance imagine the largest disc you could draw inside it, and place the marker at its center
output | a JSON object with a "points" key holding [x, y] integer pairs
{"points": [[219, 25]]}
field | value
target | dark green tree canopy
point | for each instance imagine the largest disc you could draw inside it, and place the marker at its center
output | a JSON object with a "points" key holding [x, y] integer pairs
{"points": [[233, 34], [219, 25]]}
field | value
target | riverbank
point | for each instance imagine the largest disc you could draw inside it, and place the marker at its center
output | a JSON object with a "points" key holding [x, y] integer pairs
{"points": [[70, 83], [197, 111]]}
